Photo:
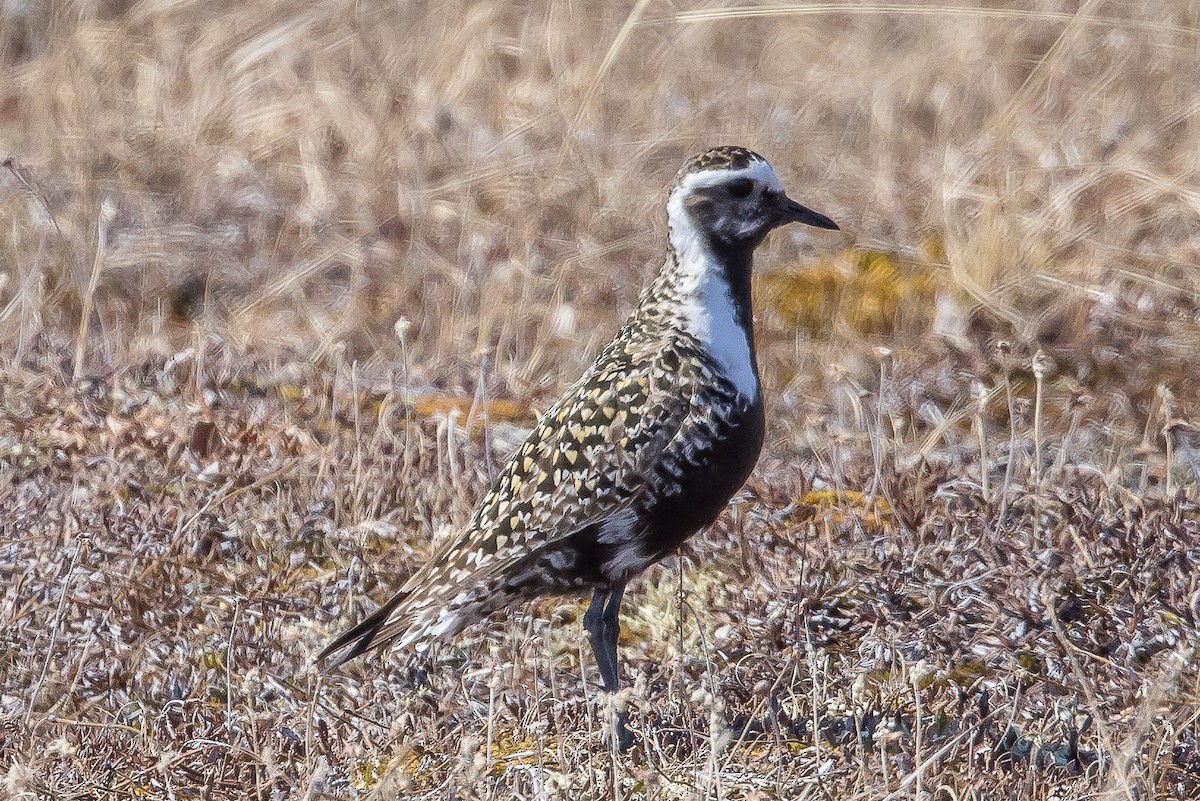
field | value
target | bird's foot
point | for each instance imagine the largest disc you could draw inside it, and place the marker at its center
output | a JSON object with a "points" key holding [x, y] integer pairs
{"points": [[625, 738], [616, 713]]}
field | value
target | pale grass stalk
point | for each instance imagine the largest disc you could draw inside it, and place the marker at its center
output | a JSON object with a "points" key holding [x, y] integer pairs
{"points": [[761, 708], [385, 425], [1146, 447], [335, 432], [108, 211], [877, 436], [315, 778], [885, 766], [815, 694], [1169, 411], [981, 399], [1169, 439], [491, 718], [681, 690], [34, 281], [81, 661], [1004, 122], [943, 431], [591, 702], [400, 328], [610, 57], [310, 718], [1039, 376], [440, 438], [85, 540], [360, 479], [55, 720], [921, 768], [229, 719], [1006, 490], [918, 731], [556, 694], [452, 450], [849, 390], [1122, 757], [718, 728], [479, 410], [860, 748], [1060, 464], [614, 747], [932, 10]]}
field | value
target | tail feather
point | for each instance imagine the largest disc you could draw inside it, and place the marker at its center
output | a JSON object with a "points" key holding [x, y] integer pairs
{"points": [[363, 635], [422, 612]]}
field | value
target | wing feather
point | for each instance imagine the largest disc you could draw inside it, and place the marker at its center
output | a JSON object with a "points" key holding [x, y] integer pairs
{"points": [[586, 462]]}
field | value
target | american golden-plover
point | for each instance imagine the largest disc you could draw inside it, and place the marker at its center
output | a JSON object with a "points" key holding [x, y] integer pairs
{"points": [[640, 453]]}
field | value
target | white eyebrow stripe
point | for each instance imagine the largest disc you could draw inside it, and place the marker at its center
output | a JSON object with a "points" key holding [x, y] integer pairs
{"points": [[758, 171]]}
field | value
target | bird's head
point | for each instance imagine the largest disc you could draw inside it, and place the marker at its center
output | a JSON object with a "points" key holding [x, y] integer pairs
{"points": [[732, 198]]}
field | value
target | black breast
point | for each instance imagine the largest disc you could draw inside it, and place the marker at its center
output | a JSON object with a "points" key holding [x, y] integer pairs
{"points": [[695, 481]]}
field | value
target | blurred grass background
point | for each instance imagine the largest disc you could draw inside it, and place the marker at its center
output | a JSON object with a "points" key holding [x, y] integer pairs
{"points": [[979, 488], [295, 177]]}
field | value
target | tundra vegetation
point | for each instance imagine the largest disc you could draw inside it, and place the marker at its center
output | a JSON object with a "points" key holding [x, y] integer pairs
{"points": [[281, 284]]}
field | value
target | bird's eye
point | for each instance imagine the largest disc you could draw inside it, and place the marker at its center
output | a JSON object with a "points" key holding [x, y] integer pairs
{"points": [[741, 188]]}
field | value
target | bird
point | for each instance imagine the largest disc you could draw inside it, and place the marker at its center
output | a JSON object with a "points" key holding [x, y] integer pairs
{"points": [[639, 454]]}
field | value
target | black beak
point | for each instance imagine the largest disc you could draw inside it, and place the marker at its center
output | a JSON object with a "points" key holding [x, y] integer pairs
{"points": [[790, 211]]}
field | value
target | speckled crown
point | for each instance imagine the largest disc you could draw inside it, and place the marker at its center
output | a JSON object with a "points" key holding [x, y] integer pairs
{"points": [[727, 157]]}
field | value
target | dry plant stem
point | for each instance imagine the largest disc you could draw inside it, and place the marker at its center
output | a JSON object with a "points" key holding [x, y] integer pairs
{"points": [[89, 293], [84, 541], [982, 397], [885, 766], [360, 512], [1084, 682], [1169, 442], [877, 440], [229, 663], [606, 64], [1060, 463], [1012, 449], [922, 768], [49, 715], [614, 748], [491, 720], [479, 405], [918, 732], [680, 607], [452, 450], [1039, 374], [810, 652], [1147, 442], [314, 688]]}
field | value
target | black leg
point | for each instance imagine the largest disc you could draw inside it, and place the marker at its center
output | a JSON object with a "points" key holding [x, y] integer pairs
{"points": [[604, 628]]}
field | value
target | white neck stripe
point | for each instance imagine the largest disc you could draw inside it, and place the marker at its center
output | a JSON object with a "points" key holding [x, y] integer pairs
{"points": [[708, 310]]}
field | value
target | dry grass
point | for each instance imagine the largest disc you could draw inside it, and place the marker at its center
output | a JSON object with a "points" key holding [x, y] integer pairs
{"points": [[282, 283]]}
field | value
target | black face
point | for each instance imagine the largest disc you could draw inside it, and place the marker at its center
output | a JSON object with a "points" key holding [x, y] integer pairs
{"points": [[742, 211]]}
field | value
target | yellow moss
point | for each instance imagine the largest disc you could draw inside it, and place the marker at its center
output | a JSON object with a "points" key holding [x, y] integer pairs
{"points": [[491, 411], [872, 683], [409, 763], [509, 750], [1031, 662], [864, 291], [212, 660], [290, 393], [840, 506], [965, 674]]}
